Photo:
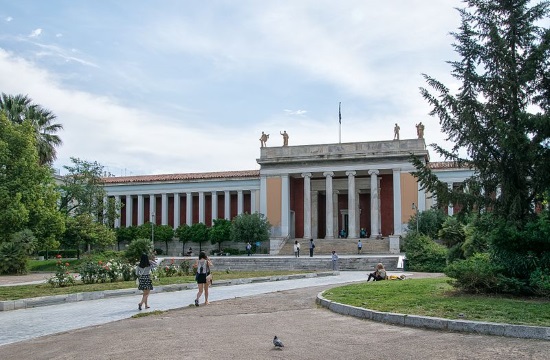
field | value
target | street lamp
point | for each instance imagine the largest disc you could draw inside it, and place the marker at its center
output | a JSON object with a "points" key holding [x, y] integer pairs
{"points": [[414, 207]]}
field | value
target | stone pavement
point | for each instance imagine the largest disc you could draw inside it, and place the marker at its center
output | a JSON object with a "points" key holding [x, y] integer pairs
{"points": [[241, 327]]}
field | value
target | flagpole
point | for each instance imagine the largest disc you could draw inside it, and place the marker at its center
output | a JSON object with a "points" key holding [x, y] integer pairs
{"points": [[339, 123]]}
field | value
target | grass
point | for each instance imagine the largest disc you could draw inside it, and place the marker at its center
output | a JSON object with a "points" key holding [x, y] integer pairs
{"points": [[28, 291], [435, 297], [50, 264], [148, 313]]}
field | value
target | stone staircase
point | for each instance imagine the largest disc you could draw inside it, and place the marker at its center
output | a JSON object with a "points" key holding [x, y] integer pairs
{"points": [[341, 246], [304, 262]]}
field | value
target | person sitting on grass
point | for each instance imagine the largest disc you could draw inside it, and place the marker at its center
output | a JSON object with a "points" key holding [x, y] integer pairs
{"points": [[378, 274]]}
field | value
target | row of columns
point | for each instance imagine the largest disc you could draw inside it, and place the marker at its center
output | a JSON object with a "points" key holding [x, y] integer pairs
{"points": [[352, 203], [177, 204]]}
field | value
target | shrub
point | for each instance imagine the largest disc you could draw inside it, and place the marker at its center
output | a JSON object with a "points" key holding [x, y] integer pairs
{"points": [[159, 251], [62, 277], [475, 274], [136, 248], [185, 266], [429, 222], [13, 260], [423, 254], [540, 282]]}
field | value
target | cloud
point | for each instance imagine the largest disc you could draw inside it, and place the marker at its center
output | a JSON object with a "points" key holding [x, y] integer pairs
{"points": [[295, 112], [35, 33], [58, 35], [9, 18]]}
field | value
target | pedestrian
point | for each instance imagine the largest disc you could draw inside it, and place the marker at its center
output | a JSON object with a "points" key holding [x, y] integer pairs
{"points": [[378, 274], [334, 260], [311, 247], [296, 249], [248, 248], [143, 272], [359, 246], [203, 277]]}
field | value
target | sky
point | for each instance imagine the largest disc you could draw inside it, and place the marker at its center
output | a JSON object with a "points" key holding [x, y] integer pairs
{"points": [[181, 86]]}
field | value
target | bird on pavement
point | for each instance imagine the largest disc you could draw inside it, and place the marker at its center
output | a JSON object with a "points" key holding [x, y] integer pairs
{"points": [[278, 343]]}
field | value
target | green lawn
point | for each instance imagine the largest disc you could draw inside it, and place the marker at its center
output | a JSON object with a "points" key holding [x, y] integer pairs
{"points": [[28, 291], [50, 264], [435, 297]]}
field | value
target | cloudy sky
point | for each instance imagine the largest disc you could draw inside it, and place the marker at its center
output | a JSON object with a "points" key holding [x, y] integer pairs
{"points": [[174, 86]]}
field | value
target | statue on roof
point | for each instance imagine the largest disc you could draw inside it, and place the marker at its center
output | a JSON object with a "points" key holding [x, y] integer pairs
{"points": [[285, 138], [263, 139], [420, 130], [396, 132]]}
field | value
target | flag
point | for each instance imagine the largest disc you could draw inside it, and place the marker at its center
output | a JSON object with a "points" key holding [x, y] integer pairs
{"points": [[340, 113]]}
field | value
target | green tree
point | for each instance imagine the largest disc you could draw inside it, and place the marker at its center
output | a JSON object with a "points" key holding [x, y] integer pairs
{"points": [[429, 222], [164, 233], [126, 235], [83, 232], [199, 234], [250, 227], [19, 108], [28, 197], [183, 233], [499, 118], [137, 248], [220, 232], [82, 189]]}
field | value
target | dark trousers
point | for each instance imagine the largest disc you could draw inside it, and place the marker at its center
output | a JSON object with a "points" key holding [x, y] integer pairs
{"points": [[310, 252]]}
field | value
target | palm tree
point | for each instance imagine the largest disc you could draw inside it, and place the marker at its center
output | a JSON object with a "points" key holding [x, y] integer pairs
{"points": [[19, 108]]}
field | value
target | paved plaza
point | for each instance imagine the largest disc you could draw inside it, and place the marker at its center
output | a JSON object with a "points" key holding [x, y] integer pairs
{"points": [[239, 323]]}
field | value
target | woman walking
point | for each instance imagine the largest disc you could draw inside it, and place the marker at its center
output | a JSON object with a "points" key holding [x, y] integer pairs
{"points": [[296, 248], [143, 272], [203, 272]]}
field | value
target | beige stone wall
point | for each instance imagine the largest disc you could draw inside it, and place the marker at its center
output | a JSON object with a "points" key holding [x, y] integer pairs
{"points": [[274, 198], [409, 195]]}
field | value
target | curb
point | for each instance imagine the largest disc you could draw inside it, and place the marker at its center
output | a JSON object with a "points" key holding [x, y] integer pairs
{"points": [[8, 305], [434, 323]]}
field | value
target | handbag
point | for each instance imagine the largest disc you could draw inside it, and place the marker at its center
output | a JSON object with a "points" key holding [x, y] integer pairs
{"points": [[209, 278], [137, 281]]}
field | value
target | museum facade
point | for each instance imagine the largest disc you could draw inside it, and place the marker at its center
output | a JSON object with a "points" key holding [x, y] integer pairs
{"points": [[305, 191]]}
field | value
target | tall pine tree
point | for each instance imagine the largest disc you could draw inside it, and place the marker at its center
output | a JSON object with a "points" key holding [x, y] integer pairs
{"points": [[499, 118]]}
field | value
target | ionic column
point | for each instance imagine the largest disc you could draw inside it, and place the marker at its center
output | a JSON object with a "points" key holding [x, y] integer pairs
{"points": [[352, 227], [285, 205], [450, 209], [227, 204], [164, 205], [189, 208], [263, 195], [307, 205], [118, 219], [240, 202], [152, 208], [129, 209], [335, 213], [105, 205], [374, 201], [397, 202], [201, 207], [329, 205], [253, 202], [421, 198], [214, 206], [314, 214], [177, 214], [140, 214]]}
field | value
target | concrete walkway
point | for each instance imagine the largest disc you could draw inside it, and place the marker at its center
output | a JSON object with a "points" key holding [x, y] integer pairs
{"points": [[242, 327], [26, 324]]}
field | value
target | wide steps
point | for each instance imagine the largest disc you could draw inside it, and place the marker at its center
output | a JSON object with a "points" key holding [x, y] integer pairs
{"points": [[341, 246]]}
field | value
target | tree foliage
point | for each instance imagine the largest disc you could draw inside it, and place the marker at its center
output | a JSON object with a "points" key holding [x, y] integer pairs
{"points": [[220, 232], [198, 233], [82, 189], [499, 118], [83, 232], [250, 227], [20, 109], [28, 197]]}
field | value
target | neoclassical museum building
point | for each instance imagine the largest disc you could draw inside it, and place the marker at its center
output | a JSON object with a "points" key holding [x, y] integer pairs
{"points": [[305, 191]]}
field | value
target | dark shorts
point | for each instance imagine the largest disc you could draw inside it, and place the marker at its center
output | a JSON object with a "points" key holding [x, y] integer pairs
{"points": [[201, 278]]}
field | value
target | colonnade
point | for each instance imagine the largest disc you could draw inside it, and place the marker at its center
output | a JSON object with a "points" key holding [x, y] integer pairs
{"points": [[128, 208]]}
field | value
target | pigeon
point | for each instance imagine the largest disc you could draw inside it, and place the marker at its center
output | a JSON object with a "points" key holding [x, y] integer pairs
{"points": [[278, 343]]}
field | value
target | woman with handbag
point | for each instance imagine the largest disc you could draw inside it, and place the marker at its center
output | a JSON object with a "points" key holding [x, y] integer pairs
{"points": [[203, 277], [143, 272]]}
